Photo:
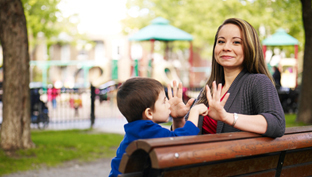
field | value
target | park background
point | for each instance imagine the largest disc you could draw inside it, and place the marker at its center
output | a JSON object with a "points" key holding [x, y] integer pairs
{"points": [[96, 46], [76, 44]]}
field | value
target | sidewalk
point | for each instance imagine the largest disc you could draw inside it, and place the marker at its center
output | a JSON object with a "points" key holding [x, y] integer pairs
{"points": [[98, 168], [107, 125]]}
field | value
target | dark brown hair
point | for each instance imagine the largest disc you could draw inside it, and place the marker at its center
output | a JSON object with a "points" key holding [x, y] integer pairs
{"points": [[253, 55], [137, 94]]}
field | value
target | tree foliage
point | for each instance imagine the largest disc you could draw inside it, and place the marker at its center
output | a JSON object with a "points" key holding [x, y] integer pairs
{"points": [[202, 18], [41, 15], [46, 18]]}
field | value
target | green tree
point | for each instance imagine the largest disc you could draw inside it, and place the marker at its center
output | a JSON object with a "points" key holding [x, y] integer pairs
{"points": [[41, 16], [37, 16], [15, 128], [305, 103], [202, 18], [44, 18]]}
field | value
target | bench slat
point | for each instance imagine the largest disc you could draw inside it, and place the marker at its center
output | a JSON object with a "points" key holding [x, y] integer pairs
{"points": [[148, 144], [166, 157], [292, 130], [297, 170], [298, 157], [254, 167]]}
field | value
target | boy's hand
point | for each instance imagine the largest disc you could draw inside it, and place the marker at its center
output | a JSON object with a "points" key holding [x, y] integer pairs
{"points": [[177, 106]]}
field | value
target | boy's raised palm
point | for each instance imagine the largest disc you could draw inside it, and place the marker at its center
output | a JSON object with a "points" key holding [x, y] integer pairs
{"points": [[177, 106]]}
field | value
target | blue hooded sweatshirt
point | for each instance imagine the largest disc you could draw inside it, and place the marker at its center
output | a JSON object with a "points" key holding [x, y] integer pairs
{"points": [[146, 129]]}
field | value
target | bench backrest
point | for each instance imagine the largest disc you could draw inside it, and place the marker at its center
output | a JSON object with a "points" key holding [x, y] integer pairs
{"points": [[226, 154]]}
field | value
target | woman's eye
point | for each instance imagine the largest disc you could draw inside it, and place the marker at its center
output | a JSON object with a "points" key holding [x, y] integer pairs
{"points": [[237, 42], [220, 42]]}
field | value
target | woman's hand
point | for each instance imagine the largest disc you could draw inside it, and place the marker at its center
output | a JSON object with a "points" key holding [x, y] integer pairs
{"points": [[216, 107], [177, 106], [199, 109]]}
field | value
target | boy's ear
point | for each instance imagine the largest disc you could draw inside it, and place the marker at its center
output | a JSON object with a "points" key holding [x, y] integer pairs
{"points": [[147, 114]]}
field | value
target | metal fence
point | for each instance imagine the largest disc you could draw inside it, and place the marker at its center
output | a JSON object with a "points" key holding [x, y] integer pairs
{"points": [[73, 107], [64, 115]]}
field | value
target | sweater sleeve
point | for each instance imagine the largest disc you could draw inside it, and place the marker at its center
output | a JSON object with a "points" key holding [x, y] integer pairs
{"points": [[266, 102], [158, 132], [188, 129]]}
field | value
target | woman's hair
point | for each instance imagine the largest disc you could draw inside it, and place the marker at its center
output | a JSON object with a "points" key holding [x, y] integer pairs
{"points": [[137, 94], [253, 55]]}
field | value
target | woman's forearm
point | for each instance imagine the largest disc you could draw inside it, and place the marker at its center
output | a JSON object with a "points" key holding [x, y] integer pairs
{"points": [[250, 123]]}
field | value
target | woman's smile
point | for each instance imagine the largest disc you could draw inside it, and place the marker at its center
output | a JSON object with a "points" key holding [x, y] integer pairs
{"points": [[226, 57]]}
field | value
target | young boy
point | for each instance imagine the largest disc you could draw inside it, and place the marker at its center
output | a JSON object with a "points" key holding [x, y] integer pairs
{"points": [[143, 102]]}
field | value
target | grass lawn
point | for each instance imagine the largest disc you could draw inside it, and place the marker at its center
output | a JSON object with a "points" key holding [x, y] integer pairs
{"points": [[55, 147], [291, 121]]}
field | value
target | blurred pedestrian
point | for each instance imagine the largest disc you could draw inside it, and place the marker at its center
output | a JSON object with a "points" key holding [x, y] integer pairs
{"points": [[77, 104], [277, 77], [54, 95]]}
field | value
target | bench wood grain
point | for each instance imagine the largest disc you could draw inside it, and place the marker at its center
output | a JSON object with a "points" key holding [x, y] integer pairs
{"points": [[226, 154]]}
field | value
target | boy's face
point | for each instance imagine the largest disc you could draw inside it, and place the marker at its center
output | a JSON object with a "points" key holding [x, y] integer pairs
{"points": [[161, 109]]}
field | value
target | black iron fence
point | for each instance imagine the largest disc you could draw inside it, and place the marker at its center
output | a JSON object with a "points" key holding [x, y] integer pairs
{"points": [[72, 108]]}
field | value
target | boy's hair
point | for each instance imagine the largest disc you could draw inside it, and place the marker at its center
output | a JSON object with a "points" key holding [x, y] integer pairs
{"points": [[137, 94]]}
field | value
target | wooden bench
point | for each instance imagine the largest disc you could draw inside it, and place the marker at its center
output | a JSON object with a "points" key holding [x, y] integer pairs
{"points": [[226, 154]]}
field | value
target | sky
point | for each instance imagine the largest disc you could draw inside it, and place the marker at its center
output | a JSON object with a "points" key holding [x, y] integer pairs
{"points": [[96, 16]]}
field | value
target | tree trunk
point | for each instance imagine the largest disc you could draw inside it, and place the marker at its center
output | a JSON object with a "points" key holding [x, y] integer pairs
{"points": [[15, 128], [305, 101]]}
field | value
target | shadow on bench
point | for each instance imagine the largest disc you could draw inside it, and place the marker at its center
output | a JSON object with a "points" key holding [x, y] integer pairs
{"points": [[226, 154]]}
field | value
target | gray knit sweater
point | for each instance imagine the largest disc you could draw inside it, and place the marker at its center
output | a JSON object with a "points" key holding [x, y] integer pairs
{"points": [[253, 94]]}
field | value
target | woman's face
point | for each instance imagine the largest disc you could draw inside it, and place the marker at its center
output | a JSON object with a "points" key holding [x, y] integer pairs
{"points": [[229, 47]]}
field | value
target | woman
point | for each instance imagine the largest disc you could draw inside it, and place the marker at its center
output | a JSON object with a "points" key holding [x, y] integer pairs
{"points": [[245, 98]]}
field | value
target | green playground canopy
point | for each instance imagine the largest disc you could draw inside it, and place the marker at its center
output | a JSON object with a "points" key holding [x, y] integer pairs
{"points": [[280, 38], [161, 30]]}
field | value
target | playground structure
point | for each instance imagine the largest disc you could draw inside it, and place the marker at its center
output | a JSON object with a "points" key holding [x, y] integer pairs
{"points": [[164, 71], [74, 73], [289, 92], [98, 70], [289, 72], [87, 68], [117, 58], [287, 66], [161, 68]]}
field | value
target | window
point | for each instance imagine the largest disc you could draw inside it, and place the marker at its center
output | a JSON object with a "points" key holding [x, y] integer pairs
{"points": [[99, 51], [65, 52]]}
